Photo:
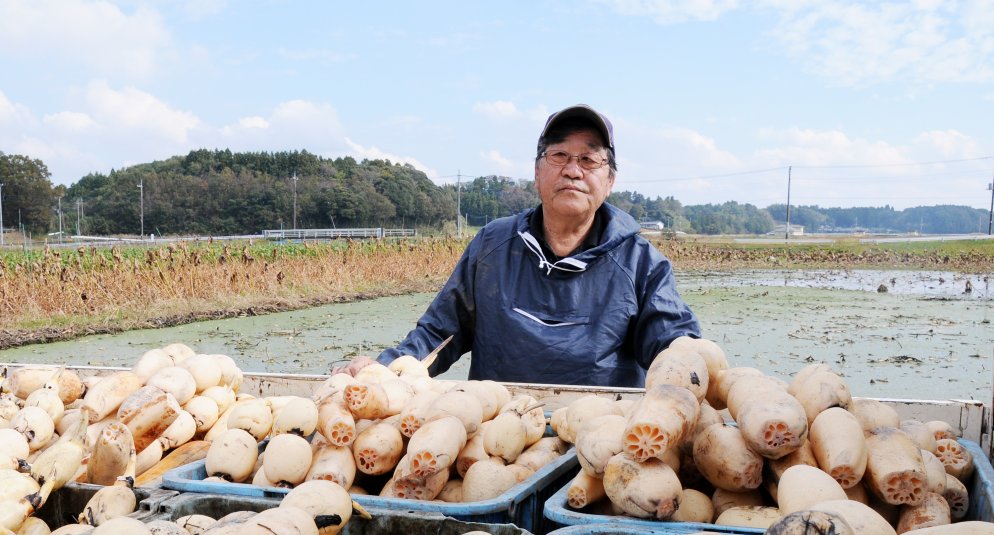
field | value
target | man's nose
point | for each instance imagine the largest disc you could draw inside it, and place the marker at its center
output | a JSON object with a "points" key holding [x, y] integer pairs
{"points": [[572, 169]]}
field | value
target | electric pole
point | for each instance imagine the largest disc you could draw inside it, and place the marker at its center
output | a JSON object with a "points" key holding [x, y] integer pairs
{"points": [[60, 219], [459, 203], [1, 214], [141, 198], [786, 232], [990, 219], [79, 210], [294, 200]]}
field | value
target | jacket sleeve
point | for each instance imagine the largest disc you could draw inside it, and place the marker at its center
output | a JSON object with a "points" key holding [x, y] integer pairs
{"points": [[663, 315], [453, 312]]}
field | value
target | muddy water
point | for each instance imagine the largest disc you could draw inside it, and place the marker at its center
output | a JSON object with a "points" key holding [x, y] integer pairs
{"points": [[922, 338]]}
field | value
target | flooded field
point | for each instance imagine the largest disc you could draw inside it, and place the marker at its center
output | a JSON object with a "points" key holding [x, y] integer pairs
{"points": [[924, 337]]}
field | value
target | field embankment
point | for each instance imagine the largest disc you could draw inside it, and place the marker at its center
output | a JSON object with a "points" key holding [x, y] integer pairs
{"points": [[48, 295]]}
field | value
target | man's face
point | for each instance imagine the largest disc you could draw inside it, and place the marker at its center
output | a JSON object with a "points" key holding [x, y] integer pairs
{"points": [[570, 192]]}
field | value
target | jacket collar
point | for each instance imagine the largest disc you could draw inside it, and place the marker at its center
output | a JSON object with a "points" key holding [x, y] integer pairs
{"points": [[617, 226]]}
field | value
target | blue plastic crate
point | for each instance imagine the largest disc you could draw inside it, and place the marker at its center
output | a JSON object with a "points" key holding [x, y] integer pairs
{"points": [[610, 528], [980, 487], [521, 505], [383, 521]]}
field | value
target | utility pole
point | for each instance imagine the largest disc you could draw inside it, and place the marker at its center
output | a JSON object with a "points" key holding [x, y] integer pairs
{"points": [[1, 214], [459, 203], [60, 219], [141, 197], [786, 232], [79, 211], [990, 219], [294, 200]]}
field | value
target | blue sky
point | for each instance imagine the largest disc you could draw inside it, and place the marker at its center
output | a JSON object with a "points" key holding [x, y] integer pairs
{"points": [[870, 103]]}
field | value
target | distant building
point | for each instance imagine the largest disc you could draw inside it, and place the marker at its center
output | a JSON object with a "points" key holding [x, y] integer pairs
{"points": [[652, 225], [781, 230]]}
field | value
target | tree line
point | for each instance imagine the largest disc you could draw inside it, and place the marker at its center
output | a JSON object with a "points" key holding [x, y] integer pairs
{"points": [[219, 192]]}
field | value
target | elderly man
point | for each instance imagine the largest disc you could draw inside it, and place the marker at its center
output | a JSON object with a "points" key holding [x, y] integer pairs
{"points": [[565, 293]]}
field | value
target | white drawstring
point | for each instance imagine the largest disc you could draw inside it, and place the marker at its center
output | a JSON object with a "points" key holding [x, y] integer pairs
{"points": [[566, 264]]}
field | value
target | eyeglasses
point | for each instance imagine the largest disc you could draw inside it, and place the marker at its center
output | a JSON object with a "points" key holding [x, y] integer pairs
{"points": [[588, 160]]}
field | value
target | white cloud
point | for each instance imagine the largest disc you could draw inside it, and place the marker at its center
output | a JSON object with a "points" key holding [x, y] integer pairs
{"points": [[673, 11], [113, 127], [495, 157], [801, 146], [135, 110], [860, 43], [498, 109], [948, 143], [375, 153], [539, 113], [253, 122], [831, 167], [698, 146], [13, 114], [70, 121], [200, 9], [94, 34], [644, 153], [291, 125]]}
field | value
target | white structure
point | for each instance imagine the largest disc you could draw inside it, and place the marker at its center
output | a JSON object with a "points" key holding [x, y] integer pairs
{"points": [[781, 230]]}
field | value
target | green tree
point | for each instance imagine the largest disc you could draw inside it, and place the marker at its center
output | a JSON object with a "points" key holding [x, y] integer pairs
{"points": [[28, 195]]}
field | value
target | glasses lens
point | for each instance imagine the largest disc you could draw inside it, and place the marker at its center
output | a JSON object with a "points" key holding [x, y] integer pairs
{"points": [[557, 157], [588, 161]]}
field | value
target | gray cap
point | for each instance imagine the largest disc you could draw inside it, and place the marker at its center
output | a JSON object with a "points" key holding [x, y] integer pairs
{"points": [[583, 111]]}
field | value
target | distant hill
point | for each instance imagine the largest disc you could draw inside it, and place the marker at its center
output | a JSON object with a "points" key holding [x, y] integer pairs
{"points": [[217, 192]]}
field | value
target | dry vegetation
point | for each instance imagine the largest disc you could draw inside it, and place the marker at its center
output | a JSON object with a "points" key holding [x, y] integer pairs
{"points": [[49, 295], [59, 294], [967, 256]]}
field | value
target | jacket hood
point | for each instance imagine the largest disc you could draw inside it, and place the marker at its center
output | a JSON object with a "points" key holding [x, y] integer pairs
{"points": [[618, 227]]}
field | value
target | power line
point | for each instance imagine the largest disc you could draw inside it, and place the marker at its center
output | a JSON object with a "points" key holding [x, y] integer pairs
{"points": [[699, 177], [885, 178], [909, 164]]}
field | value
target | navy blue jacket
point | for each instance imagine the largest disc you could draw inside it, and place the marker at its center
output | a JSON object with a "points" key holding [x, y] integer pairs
{"points": [[596, 318]]}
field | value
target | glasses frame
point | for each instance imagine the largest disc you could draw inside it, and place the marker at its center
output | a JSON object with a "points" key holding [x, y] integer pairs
{"points": [[570, 157]]}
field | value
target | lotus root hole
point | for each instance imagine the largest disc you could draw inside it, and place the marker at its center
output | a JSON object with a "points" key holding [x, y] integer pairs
{"points": [[845, 476], [645, 441], [778, 435], [424, 463], [905, 489], [409, 425], [367, 458], [341, 435]]}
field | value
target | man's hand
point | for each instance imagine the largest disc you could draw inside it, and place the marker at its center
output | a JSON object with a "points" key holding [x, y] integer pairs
{"points": [[357, 363]]}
